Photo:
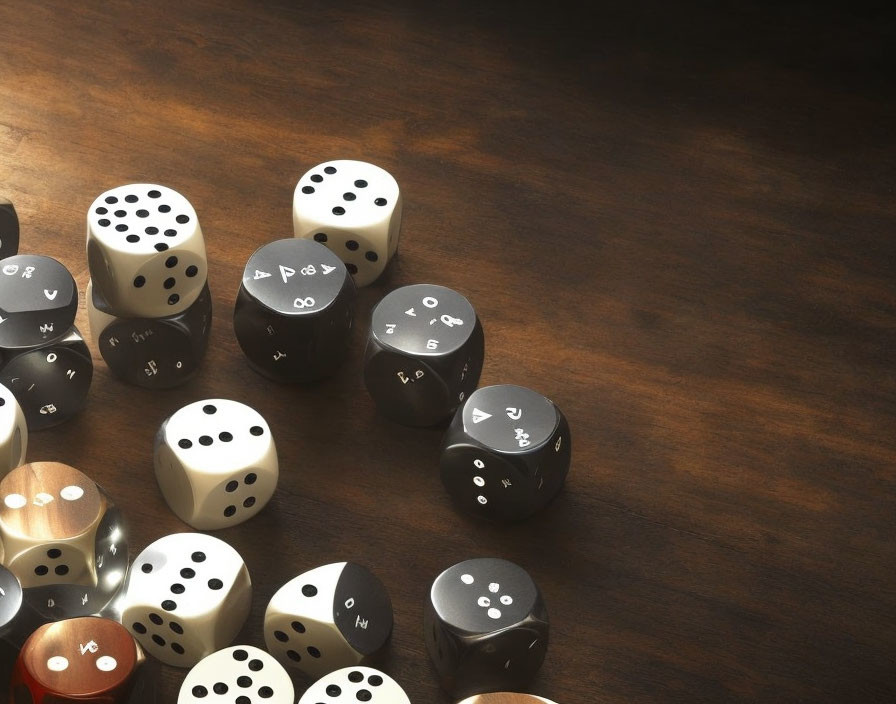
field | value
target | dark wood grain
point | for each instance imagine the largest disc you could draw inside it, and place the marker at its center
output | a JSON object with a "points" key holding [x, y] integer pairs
{"points": [[677, 223]]}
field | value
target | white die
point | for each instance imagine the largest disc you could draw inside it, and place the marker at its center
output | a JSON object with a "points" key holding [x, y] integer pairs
{"points": [[216, 463], [188, 595], [355, 684], [354, 208], [243, 673], [145, 251], [506, 698], [13, 433], [327, 618]]}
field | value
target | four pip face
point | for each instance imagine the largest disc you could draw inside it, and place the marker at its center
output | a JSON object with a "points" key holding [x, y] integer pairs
{"points": [[188, 594]]}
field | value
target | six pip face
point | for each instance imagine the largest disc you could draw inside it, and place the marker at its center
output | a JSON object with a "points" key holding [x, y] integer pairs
{"points": [[145, 251]]}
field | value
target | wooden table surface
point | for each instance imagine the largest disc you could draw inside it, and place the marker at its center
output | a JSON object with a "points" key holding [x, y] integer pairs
{"points": [[678, 226]]}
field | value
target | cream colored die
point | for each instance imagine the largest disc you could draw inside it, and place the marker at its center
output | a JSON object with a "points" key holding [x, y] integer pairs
{"points": [[355, 684], [242, 673], [354, 208], [145, 251], [13, 433], [328, 618], [188, 595], [216, 463]]}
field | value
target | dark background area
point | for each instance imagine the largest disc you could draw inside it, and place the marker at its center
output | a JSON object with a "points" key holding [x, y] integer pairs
{"points": [[676, 220]]}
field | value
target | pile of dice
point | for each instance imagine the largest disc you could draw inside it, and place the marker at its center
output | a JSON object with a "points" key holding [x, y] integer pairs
{"points": [[79, 622]]}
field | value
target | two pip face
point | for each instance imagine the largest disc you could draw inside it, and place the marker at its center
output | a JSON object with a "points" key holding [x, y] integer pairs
{"points": [[354, 208]]}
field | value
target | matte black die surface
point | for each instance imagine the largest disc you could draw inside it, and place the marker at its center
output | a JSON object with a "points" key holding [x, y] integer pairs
{"points": [[9, 229], [485, 627], [294, 311], [158, 353], [50, 382], [506, 453], [38, 301], [424, 353]]}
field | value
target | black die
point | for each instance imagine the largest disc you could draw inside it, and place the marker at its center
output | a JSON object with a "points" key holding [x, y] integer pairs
{"points": [[294, 311], [38, 301], [9, 229], [50, 381], [154, 353], [485, 626], [424, 353], [506, 453]]}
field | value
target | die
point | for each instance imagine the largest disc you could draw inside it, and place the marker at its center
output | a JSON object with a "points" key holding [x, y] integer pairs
{"points": [[328, 618], [506, 453], [354, 208], [154, 353], [485, 626], [425, 350], [506, 698], [294, 311], [9, 229], [85, 659], [38, 301], [145, 251], [215, 463], [355, 684], [13, 434], [243, 673], [63, 538], [188, 595], [50, 382]]}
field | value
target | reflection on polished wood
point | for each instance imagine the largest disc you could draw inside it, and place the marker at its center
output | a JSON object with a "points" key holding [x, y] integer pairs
{"points": [[678, 226]]}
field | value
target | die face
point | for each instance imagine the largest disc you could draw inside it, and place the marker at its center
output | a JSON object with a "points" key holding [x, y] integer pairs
{"points": [[78, 659], [13, 434], [63, 538], [51, 382], [354, 208], [153, 353], [355, 684], [424, 353], [10, 600], [145, 251], [216, 463], [327, 618], [9, 229], [188, 595], [239, 673], [506, 453], [294, 311], [485, 626], [38, 301]]}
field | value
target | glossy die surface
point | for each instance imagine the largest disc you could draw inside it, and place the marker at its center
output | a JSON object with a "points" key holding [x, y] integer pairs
{"points": [[9, 229], [38, 301], [424, 353], [355, 684], [216, 463], [188, 595], [328, 618], [241, 673], [506, 698], [13, 434], [51, 382], [145, 251], [62, 538], [154, 353], [485, 627], [506, 453], [294, 311], [353, 208], [85, 659]]}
